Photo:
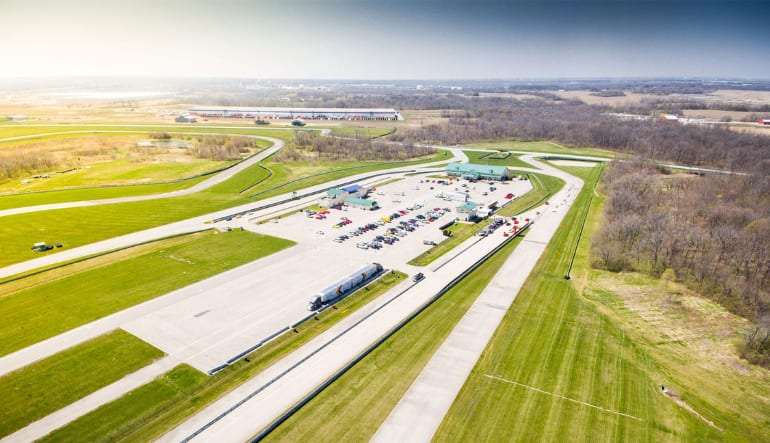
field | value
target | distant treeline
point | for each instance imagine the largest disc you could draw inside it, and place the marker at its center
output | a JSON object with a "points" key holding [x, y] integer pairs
{"points": [[576, 124], [309, 146]]}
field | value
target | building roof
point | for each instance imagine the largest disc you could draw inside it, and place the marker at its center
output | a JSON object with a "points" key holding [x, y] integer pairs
{"points": [[361, 202], [335, 191], [238, 109], [468, 206], [351, 189], [471, 168]]}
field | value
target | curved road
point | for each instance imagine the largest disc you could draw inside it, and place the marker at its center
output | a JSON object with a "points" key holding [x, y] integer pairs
{"points": [[216, 179]]}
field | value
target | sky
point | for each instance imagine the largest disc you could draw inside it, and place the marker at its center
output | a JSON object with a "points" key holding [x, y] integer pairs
{"points": [[385, 39]]}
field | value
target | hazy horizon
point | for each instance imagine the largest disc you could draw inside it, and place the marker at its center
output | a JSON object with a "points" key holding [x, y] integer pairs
{"points": [[397, 40]]}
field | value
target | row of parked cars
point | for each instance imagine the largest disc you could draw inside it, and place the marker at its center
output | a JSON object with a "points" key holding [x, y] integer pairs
{"points": [[397, 230]]}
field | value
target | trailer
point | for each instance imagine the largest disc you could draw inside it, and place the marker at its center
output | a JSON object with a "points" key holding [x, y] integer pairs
{"points": [[345, 286]]}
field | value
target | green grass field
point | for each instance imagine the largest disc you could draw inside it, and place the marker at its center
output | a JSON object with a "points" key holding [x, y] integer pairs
{"points": [[46, 132], [295, 176], [48, 304], [360, 131], [46, 386], [117, 420], [120, 172], [149, 411], [78, 226], [486, 158], [85, 184], [71, 195], [364, 396], [546, 147], [543, 187], [556, 348]]}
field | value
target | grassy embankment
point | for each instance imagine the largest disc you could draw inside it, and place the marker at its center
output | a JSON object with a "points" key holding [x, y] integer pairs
{"points": [[44, 305], [544, 147], [496, 159], [68, 130], [288, 177], [48, 385], [83, 225], [360, 131], [103, 180], [566, 350], [363, 397], [155, 408], [543, 187]]}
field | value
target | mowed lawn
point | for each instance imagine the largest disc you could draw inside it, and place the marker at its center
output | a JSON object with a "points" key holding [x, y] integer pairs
{"points": [[48, 385], [558, 367], [42, 309], [53, 131], [155, 408], [363, 397], [99, 182], [115, 420], [79, 226], [496, 159]]}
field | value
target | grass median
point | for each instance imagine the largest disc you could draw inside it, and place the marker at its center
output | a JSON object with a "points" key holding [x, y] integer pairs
{"points": [[48, 385], [155, 408], [362, 398], [47, 304], [496, 159], [560, 364]]}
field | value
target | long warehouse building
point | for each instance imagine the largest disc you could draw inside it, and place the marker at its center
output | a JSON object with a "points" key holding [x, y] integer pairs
{"points": [[291, 113]]}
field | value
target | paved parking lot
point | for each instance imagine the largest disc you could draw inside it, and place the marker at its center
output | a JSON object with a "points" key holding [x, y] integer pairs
{"points": [[218, 318]]}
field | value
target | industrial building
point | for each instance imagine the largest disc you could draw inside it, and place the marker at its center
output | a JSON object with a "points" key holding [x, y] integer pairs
{"points": [[294, 113], [472, 171]]}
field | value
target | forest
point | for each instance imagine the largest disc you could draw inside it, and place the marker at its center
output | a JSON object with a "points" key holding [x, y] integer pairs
{"points": [[310, 146], [710, 232]]}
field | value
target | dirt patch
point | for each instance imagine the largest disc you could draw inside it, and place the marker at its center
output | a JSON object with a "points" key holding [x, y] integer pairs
{"points": [[676, 399], [674, 314]]}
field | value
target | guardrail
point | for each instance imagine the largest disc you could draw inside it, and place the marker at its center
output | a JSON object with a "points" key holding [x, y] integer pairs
{"points": [[285, 416], [294, 325], [292, 367]]}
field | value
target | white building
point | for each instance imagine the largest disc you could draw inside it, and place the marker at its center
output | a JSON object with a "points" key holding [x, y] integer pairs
{"points": [[293, 113]]}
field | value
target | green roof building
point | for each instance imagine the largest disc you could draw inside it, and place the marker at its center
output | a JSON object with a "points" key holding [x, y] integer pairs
{"points": [[475, 172], [363, 203]]}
